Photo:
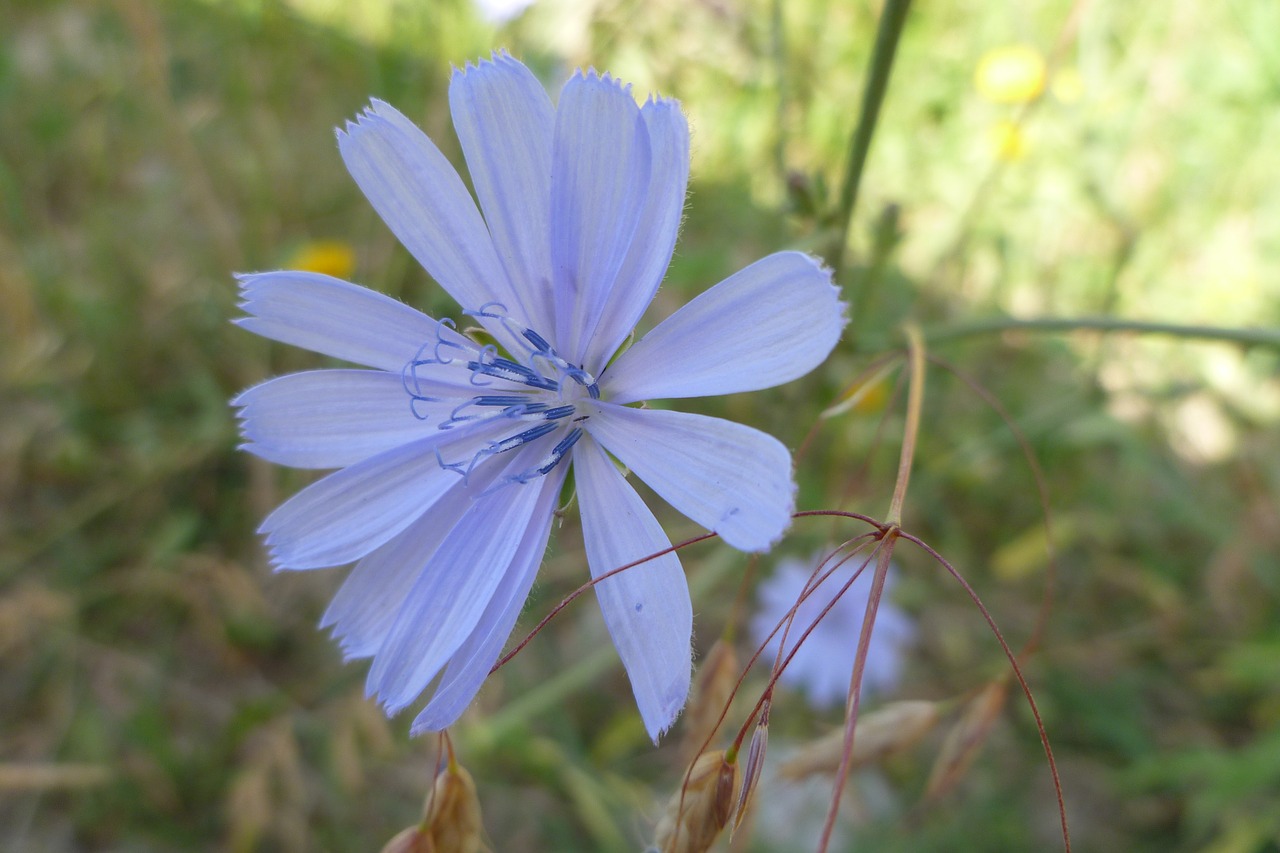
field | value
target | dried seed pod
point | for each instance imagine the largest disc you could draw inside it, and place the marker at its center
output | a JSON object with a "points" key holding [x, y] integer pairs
{"points": [[451, 814], [410, 840], [712, 693], [882, 732], [966, 737], [698, 812], [753, 766]]}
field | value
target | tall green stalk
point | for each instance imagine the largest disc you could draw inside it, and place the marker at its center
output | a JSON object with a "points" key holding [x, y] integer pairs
{"points": [[1267, 337], [887, 34]]}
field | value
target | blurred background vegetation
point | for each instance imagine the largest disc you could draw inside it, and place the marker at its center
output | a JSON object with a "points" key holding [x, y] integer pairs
{"points": [[162, 691]]}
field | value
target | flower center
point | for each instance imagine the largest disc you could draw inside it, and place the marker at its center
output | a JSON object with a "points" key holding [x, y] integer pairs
{"points": [[539, 396]]}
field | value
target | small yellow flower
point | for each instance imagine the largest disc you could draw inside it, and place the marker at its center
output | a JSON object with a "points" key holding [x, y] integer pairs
{"points": [[1008, 141], [1068, 85], [1010, 75], [329, 257]]}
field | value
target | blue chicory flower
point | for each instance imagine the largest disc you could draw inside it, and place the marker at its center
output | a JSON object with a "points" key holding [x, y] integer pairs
{"points": [[453, 452], [501, 11], [823, 665]]}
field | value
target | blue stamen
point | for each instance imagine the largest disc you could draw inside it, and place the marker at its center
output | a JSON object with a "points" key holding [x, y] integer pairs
{"points": [[416, 400], [514, 407], [502, 446], [409, 377], [489, 363], [505, 368], [413, 386], [498, 400], [577, 374], [540, 344], [514, 412], [558, 452], [456, 467], [543, 370], [484, 311], [559, 412], [497, 311], [520, 438], [440, 341], [455, 418], [551, 460]]}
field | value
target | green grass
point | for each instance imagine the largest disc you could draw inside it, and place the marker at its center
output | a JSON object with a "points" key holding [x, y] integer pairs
{"points": [[147, 151]]}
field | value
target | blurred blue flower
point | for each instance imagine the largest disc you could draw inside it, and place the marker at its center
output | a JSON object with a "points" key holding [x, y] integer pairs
{"points": [[501, 11], [823, 665], [453, 451]]}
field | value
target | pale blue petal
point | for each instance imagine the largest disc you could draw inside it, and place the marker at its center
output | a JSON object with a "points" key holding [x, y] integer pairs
{"points": [[823, 664], [599, 185], [327, 418], [770, 323], [335, 318], [727, 477], [347, 514], [366, 605], [470, 664], [655, 237], [454, 589], [646, 608], [418, 193], [505, 122]]}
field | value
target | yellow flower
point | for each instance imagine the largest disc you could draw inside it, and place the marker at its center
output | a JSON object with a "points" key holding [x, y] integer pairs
{"points": [[329, 257], [1010, 75], [1008, 141], [1068, 85]]}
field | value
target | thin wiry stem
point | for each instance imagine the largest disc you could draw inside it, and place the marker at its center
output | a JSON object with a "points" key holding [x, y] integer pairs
{"points": [[569, 599], [915, 404], [887, 35], [1042, 493], [884, 552], [885, 531], [911, 431], [855, 545], [1017, 672], [996, 325]]}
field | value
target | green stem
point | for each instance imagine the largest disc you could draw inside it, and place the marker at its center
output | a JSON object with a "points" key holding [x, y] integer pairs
{"points": [[778, 40], [915, 402], [891, 21], [995, 325]]}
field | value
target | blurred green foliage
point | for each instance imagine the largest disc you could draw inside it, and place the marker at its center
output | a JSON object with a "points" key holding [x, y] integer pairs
{"points": [[162, 691]]}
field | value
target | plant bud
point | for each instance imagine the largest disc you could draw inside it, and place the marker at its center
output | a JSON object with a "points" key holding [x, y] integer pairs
{"points": [[754, 766], [701, 808], [451, 814], [410, 840]]}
